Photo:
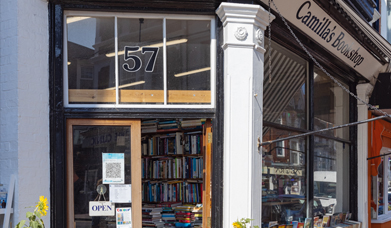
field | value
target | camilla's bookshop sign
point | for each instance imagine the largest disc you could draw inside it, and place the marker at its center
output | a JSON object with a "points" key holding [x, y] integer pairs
{"points": [[316, 23]]}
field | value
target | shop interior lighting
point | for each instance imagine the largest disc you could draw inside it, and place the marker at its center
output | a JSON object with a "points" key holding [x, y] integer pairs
{"points": [[192, 72], [168, 43], [75, 19], [127, 85]]}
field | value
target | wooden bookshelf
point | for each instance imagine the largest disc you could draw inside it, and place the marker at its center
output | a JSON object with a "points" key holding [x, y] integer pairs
{"points": [[199, 184]]}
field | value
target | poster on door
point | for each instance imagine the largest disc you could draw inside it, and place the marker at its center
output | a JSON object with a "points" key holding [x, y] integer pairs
{"points": [[123, 217]]}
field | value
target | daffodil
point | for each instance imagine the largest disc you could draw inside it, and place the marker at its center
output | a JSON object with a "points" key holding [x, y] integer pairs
{"points": [[42, 205]]}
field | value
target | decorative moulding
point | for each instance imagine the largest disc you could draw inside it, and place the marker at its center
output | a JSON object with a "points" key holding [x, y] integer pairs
{"points": [[241, 33]]}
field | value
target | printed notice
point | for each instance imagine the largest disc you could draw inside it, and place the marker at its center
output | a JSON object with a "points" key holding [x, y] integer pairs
{"points": [[123, 217], [121, 193], [113, 166]]}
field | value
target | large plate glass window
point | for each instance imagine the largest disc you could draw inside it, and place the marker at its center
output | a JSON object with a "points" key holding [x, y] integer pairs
{"points": [[135, 60]]}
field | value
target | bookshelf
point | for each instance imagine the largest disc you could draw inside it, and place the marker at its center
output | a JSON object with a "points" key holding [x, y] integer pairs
{"points": [[174, 165], [172, 161]]}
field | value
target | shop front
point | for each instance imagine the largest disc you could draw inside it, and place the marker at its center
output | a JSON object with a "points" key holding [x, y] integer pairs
{"points": [[158, 112]]}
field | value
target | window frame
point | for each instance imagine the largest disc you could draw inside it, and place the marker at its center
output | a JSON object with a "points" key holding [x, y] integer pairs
{"points": [[164, 17]]}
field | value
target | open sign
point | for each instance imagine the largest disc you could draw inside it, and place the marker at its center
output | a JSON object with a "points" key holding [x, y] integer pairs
{"points": [[101, 208]]}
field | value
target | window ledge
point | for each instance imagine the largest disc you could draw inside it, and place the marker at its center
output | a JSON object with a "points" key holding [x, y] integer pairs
{"points": [[382, 219]]}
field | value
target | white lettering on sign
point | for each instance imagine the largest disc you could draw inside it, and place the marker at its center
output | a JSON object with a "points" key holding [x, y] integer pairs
{"points": [[316, 23], [101, 208]]}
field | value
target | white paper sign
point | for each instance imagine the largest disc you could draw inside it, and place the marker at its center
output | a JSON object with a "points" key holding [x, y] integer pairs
{"points": [[113, 167], [101, 208], [121, 193], [123, 217]]}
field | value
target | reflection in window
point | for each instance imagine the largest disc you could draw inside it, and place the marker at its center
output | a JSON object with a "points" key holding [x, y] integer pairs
{"points": [[283, 178], [331, 175], [284, 95], [331, 105], [140, 69], [89, 142], [188, 62], [89, 69]]}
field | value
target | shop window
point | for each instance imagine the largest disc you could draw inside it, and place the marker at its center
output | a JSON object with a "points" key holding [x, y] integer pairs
{"points": [[134, 60], [331, 105], [381, 190], [284, 93], [285, 163], [283, 182], [331, 175]]}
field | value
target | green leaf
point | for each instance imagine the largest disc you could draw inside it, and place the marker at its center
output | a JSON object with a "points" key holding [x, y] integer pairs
{"points": [[20, 224], [29, 214], [34, 224]]}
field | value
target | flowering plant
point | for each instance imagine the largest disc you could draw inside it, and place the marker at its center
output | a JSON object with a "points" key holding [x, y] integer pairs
{"points": [[242, 223], [35, 217]]}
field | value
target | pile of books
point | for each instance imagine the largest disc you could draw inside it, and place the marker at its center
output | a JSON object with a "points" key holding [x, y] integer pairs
{"points": [[152, 216], [149, 126], [188, 216], [197, 212], [336, 220]]}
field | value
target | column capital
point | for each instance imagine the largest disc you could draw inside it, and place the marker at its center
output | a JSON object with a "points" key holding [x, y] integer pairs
{"points": [[364, 91], [244, 25]]}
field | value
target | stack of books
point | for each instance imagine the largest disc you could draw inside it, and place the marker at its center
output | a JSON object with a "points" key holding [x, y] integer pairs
{"points": [[152, 216], [168, 213], [184, 216], [148, 126], [168, 124], [191, 123], [197, 214]]}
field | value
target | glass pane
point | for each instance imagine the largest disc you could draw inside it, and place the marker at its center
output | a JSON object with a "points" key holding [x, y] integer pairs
{"points": [[331, 105], [283, 178], [140, 59], [331, 176], [188, 62], [91, 68], [89, 145], [380, 184], [284, 94]]}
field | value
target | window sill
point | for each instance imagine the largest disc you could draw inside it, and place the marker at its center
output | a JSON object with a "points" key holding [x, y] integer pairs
{"points": [[382, 219]]}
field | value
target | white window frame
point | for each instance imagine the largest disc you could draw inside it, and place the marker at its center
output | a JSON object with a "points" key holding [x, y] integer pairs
{"points": [[164, 17]]}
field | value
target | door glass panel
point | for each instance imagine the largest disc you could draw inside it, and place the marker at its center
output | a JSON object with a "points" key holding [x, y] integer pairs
{"points": [[140, 59], [90, 144], [91, 68]]}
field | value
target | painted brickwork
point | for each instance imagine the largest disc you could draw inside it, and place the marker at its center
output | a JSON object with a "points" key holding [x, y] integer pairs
{"points": [[24, 100]]}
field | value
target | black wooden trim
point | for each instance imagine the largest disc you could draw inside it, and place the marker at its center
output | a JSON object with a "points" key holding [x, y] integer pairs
{"points": [[218, 135], [162, 6], [57, 125], [353, 157], [311, 143]]}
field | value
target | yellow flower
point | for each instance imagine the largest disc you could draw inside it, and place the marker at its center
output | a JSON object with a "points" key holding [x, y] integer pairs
{"points": [[42, 205], [236, 225]]}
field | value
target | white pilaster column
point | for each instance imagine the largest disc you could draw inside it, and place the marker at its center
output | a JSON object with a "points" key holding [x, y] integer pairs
{"points": [[243, 45], [363, 91]]}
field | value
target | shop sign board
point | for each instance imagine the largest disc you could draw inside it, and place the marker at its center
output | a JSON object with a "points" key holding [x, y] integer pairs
{"points": [[101, 208], [316, 23], [282, 171]]}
